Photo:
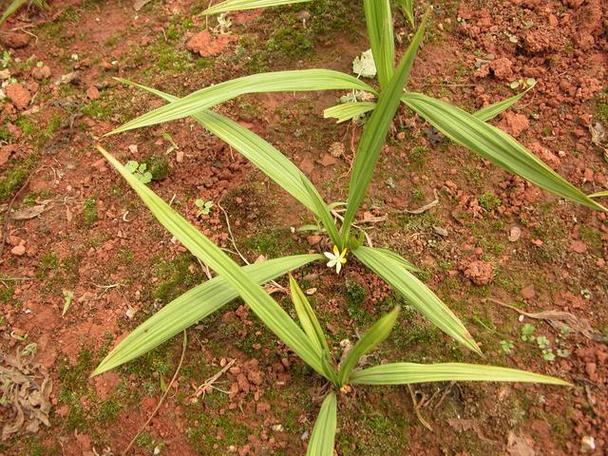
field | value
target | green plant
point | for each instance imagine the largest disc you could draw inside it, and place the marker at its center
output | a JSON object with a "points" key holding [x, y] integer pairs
{"points": [[14, 5], [470, 130], [139, 170], [204, 207], [307, 339]]}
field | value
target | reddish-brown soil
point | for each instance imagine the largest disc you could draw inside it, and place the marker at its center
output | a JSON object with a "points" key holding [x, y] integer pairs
{"points": [[492, 237]]}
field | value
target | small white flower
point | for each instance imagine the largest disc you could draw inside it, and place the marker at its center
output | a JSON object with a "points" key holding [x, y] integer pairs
{"points": [[336, 259]]}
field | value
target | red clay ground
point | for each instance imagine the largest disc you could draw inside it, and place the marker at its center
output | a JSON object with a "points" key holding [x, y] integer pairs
{"points": [[506, 241]]}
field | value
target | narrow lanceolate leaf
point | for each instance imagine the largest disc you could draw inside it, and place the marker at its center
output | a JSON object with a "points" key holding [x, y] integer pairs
{"points": [[347, 111], [267, 310], [241, 5], [265, 157], [399, 259], [489, 112], [279, 81], [307, 317], [380, 32], [599, 194], [407, 7], [11, 9], [408, 373], [374, 133], [417, 294], [370, 340], [191, 307], [495, 145], [324, 433], [350, 110]]}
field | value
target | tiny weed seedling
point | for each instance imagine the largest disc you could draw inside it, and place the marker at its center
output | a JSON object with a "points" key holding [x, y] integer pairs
{"points": [[139, 170], [527, 332], [507, 346], [204, 207]]}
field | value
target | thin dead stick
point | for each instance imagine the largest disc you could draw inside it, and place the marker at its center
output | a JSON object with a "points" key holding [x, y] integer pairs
{"points": [[207, 384], [162, 399], [230, 232], [424, 208], [417, 409]]}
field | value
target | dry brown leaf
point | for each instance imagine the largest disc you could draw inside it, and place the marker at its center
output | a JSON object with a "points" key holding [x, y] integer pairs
{"points": [[25, 389], [139, 4], [28, 213], [558, 319]]}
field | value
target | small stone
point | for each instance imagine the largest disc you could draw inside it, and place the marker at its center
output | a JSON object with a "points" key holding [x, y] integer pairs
{"points": [[336, 149], [440, 231], [514, 234], [502, 69], [207, 45], [41, 73], [19, 95], [515, 124], [578, 247], [587, 444], [179, 156], [313, 239], [479, 272], [93, 93], [528, 292], [18, 250], [15, 40]]}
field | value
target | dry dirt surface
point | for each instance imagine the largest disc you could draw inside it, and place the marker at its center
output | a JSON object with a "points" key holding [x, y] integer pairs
{"points": [[82, 262]]}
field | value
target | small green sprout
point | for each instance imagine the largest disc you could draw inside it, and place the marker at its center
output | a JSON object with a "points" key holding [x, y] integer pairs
{"points": [[506, 346], [543, 342], [68, 297], [548, 355], [140, 170], [527, 332], [203, 206]]}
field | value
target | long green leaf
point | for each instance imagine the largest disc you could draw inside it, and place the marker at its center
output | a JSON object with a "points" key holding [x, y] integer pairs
{"points": [[495, 145], [307, 317], [407, 7], [265, 157], [399, 259], [408, 373], [489, 112], [11, 9], [241, 5], [279, 81], [374, 133], [346, 111], [417, 294], [380, 32], [191, 307], [599, 194], [370, 340], [267, 310], [324, 433]]}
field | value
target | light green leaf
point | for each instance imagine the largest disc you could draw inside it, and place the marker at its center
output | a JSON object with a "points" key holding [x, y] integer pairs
{"points": [[408, 373], [599, 194], [307, 317], [11, 9], [265, 157], [407, 7], [489, 112], [417, 293], [324, 433], [347, 111], [191, 307], [399, 259], [380, 32], [279, 81], [242, 5], [375, 130], [495, 145], [267, 310], [370, 340]]}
